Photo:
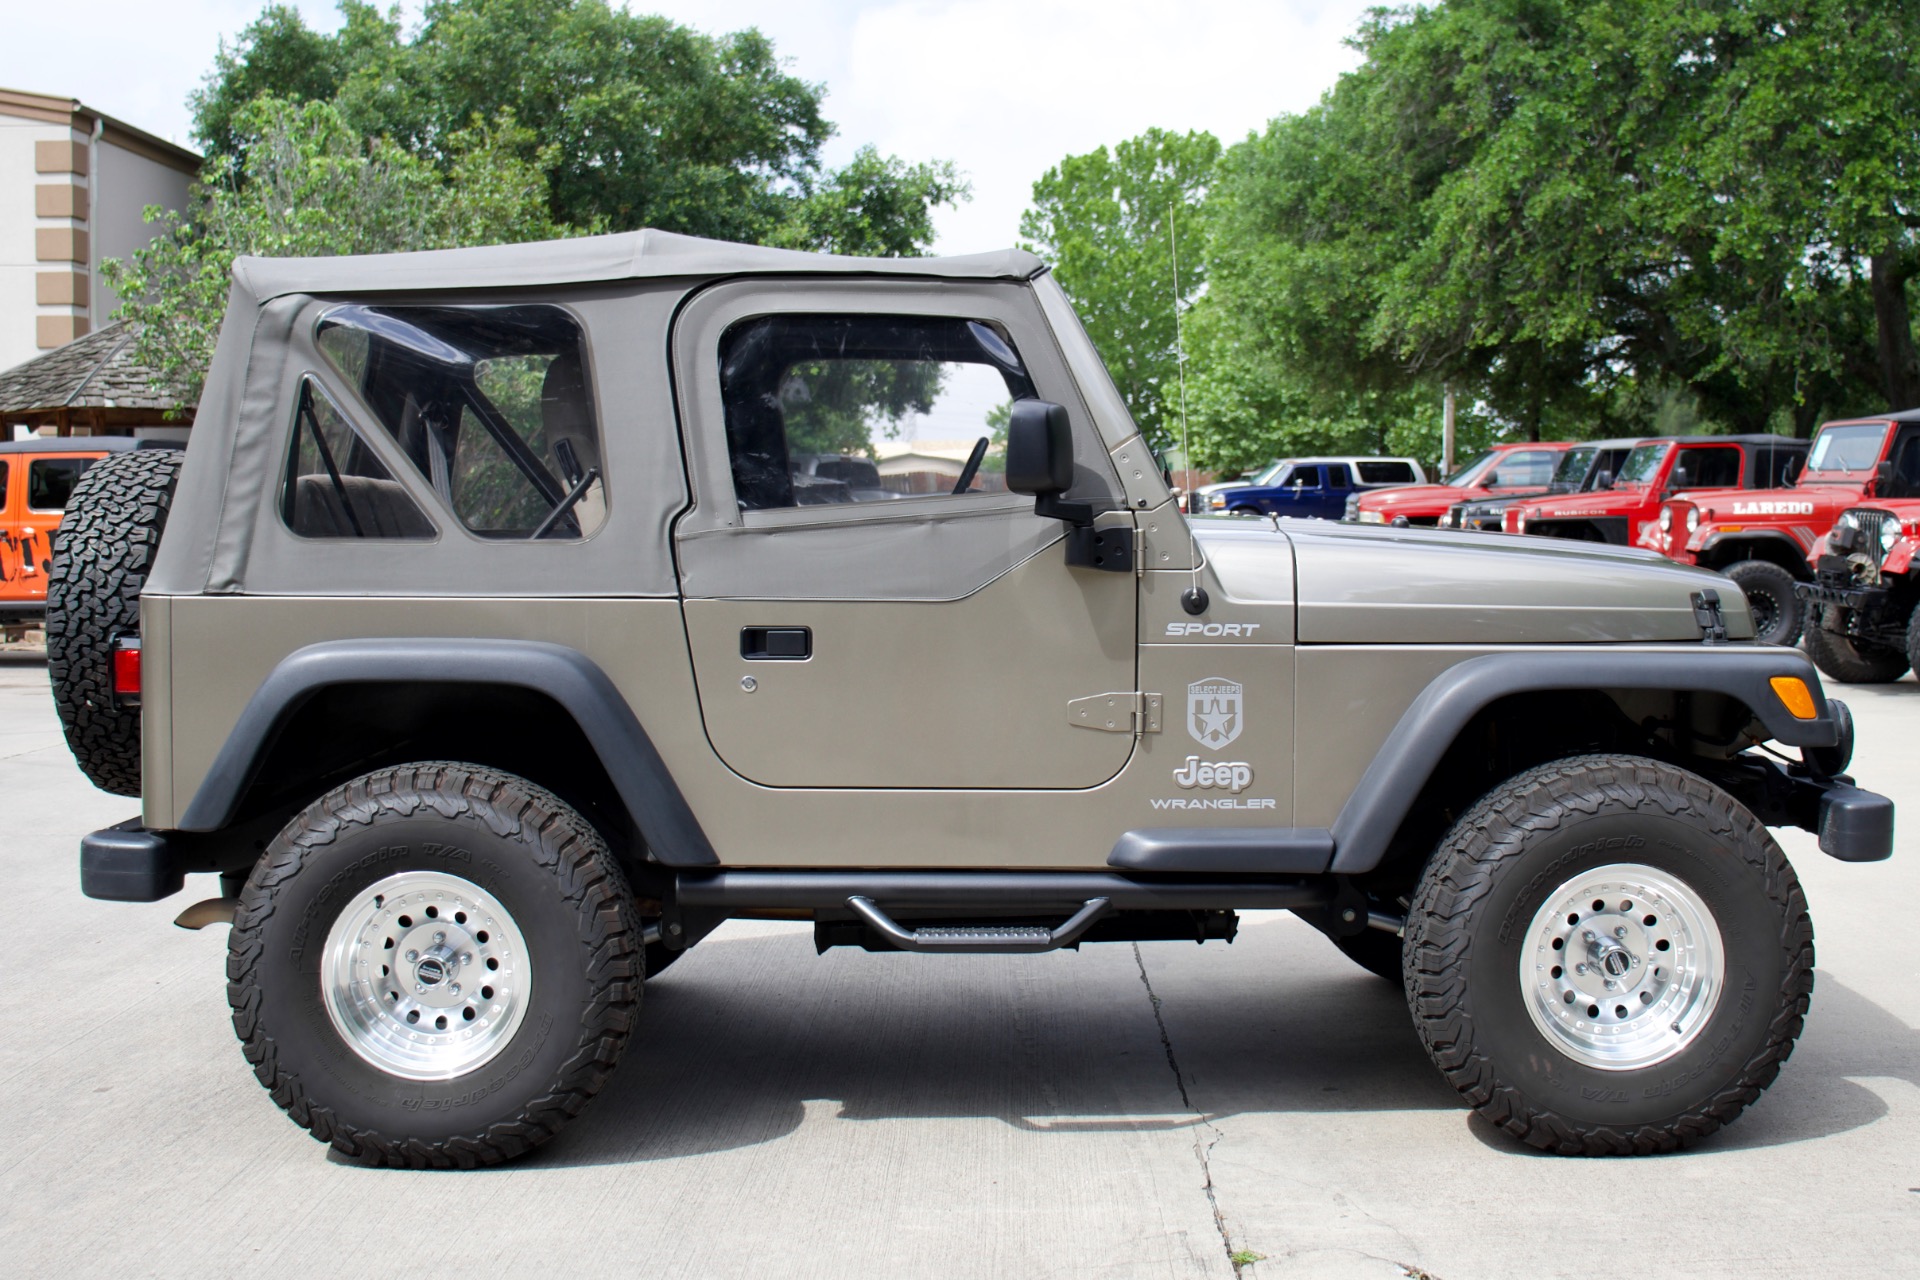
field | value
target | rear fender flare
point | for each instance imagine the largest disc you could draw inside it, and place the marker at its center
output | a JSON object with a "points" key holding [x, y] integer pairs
{"points": [[568, 676], [1428, 728]]}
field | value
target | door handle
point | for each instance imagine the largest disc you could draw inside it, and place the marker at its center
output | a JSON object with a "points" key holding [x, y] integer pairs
{"points": [[776, 644]]}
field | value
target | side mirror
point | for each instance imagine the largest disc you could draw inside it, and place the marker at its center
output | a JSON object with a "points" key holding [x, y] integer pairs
{"points": [[1039, 449], [1882, 478], [1604, 480]]}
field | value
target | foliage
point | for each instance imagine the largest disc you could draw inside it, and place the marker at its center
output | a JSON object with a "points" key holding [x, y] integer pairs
{"points": [[836, 406], [305, 184], [1107, 222], [641, 122]]}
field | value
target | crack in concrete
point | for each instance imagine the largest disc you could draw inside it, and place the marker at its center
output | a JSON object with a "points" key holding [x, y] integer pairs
{"points": [[1202, 1150]]}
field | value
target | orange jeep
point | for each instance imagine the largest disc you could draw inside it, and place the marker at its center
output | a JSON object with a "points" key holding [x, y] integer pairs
{"points": [[36, 475]]}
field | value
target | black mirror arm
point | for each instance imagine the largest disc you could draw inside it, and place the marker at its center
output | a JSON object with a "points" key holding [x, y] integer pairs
{"points": [[1077, 514]]}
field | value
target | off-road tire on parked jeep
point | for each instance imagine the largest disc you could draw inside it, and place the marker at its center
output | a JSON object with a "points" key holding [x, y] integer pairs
{"points": [[1778, 614], [1854, 661], [101, 557], [431, 874], [1632, 840]]}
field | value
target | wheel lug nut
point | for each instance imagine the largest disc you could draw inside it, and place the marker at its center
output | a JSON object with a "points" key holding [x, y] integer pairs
{"points": [[420, 988], [1588, 935], [466, 957], [454, 989], [1620, 931], [1609, 982], [439, 937], [413, 955], [1579, 968]]}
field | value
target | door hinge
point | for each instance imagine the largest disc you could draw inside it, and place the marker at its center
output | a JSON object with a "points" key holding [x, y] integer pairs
{"points": [[1116, 712]]}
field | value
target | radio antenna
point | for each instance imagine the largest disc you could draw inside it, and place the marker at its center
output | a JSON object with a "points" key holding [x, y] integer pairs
{"points": [[1193, 599]]}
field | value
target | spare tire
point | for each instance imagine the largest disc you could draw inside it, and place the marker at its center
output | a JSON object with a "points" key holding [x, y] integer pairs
{"points": [[102, 554]]}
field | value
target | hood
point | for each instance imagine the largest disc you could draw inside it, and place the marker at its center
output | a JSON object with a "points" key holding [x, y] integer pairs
{"points": [[1435, 496], [1375, 584], [1603, 502]]}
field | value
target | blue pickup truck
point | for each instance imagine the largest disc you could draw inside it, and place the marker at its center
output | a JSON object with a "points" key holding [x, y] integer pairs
{"points": [[1315, 487]]}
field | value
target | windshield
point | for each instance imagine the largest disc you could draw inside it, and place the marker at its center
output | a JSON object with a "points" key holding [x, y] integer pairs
{"points": [[1270, 474], [1642, 465], [1848, 448], [1573, 466], [1469, 476]]}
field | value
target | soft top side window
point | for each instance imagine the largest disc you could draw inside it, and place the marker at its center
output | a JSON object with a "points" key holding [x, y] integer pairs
{"points": [[491, 404], [336, 487], [826, 409]]}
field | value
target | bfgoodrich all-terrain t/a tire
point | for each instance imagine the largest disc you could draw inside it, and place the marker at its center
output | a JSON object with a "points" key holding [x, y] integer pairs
{"points": [[435, 965], [101, 557], [1609, 956]]}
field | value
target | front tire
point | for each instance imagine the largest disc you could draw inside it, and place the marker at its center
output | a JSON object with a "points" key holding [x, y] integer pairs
{"points": [[1777, 613], [435, 965], [1609, 870], [1854, 661]]}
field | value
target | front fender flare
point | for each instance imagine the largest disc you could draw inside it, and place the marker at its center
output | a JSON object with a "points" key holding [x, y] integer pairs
{"points": [[569, 677], [1377, 807]]}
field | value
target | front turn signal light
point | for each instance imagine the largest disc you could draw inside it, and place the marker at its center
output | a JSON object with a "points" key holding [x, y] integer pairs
{"points": [[1794, 696]]}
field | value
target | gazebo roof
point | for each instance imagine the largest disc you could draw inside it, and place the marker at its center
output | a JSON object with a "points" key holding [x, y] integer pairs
{"points": [[93, 380]]}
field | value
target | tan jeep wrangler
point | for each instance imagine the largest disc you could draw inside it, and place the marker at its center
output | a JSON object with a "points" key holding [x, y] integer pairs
{"points": [[498, 649]]}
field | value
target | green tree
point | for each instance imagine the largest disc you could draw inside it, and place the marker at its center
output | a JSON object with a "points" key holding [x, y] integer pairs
{"points": [[1107, 222], [643, 123], [308, 185]]}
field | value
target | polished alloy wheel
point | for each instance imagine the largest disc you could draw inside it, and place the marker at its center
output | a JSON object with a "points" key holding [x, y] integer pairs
{"points": [[1623, 967], [425, 975]]}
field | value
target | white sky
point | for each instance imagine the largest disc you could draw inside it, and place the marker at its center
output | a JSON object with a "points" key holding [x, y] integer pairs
{"points": [[1004, 88]]}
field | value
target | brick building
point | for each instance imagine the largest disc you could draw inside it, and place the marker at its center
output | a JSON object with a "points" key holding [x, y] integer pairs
{"points": [[73, 184]]}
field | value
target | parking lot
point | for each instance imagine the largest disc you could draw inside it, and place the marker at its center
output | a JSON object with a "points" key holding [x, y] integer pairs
{"points": [[1124, 1110]]}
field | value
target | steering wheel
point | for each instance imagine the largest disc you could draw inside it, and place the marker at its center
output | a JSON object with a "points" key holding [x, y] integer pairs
{"points": [[972, 469]]}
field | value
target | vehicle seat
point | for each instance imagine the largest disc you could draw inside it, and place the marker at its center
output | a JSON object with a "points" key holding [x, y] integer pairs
{"points": [[383, 507]]}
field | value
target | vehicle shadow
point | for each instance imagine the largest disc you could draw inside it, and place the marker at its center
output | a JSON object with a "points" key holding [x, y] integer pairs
{"points": [[1070, 1044], [1847, 1036]]}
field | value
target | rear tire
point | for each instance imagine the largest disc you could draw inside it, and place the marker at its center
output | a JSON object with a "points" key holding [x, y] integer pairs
{"points": [[102, 555], [1609, 956], [1853, 661], [1777, 613], [435, 965]]}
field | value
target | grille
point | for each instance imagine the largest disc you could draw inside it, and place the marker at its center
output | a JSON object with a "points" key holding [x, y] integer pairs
{"points": [[1871, 523]]}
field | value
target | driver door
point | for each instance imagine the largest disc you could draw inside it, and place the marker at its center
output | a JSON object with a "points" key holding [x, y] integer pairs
{"points": [[932, 639]]}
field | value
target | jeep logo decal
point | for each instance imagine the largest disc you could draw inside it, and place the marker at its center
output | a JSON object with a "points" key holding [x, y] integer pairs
{"points": [[1213, 712], [1228, 775]]}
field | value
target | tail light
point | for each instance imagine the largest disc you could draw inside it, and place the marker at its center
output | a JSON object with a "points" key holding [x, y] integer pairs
{"points": [[126, 669]]}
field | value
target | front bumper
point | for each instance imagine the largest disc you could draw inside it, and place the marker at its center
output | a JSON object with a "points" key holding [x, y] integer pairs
{"points": [[1854, 825]]}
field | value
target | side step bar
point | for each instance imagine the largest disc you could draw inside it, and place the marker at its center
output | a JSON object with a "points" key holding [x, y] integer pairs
{"points": [[1004, 939], [993, 892]]}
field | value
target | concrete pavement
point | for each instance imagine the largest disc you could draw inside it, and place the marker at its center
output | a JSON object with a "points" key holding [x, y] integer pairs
{"points": [[1123, 1111]]}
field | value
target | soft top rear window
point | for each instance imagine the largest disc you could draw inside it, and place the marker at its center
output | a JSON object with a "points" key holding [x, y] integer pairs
{"points": [[492, 405]]}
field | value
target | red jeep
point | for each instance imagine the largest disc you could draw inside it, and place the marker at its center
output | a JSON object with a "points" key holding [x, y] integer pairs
{"points": [[1764, 543], [1500, 469], [1863, 605]]}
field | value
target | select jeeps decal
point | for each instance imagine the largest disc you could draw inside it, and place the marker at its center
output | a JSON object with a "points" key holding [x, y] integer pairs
{"points": [[1214, 712], [1239, 630], [1773, 508]]}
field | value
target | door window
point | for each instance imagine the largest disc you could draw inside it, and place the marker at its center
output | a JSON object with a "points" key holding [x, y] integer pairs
{"points": [[1711, 468], [50, 482], [336, 487], [491, 404], [830, 409], [1337, 476], [1304, 478]]}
